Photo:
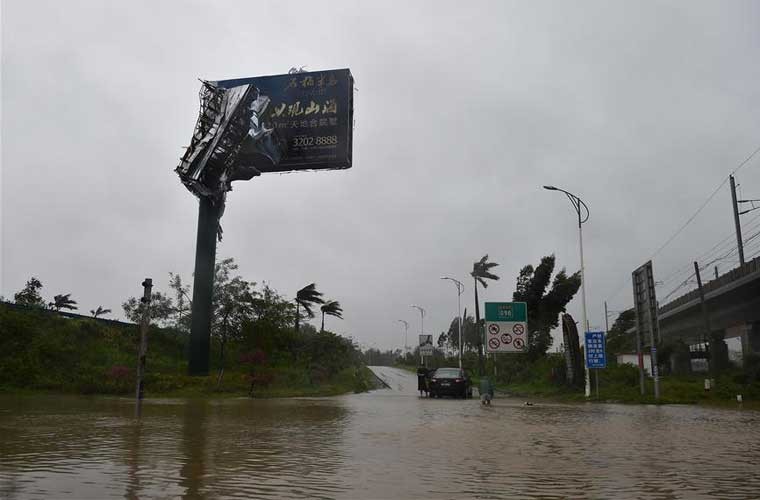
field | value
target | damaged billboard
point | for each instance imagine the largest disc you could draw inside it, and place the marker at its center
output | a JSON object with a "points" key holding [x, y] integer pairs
{"points": [[281, 123]]}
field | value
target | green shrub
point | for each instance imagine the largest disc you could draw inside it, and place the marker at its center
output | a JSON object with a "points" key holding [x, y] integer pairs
{"points": [[626, 375]]}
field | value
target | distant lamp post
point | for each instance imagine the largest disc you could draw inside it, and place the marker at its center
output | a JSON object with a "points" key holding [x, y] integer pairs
{"points": [[460, 290], [422, 327], [406, 331], [580, 207]]}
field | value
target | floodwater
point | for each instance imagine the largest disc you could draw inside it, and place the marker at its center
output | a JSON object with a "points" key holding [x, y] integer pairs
{"points": [[385, 444]]}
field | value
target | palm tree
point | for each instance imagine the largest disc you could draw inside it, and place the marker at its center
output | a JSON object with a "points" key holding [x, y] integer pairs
{"points": [[480, 273], [307, 297], [63, 302], [99, 311], [331, 308]]}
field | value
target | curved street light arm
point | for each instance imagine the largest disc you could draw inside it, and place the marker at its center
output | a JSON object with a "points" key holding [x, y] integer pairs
{"points": [[588, 212], [459, 284], [578, 204]]}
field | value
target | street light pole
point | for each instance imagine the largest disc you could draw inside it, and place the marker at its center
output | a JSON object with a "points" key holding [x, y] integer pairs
{"points": [[580, 207], [460, 290], [422, 329], [406, 331]]}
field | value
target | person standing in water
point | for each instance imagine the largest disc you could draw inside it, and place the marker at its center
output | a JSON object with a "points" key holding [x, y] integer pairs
{"points": [[422, 374]]}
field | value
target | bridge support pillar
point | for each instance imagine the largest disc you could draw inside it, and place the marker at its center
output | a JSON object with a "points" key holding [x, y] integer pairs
{"points": [[751, 342], [718, 353], [680, 359]]}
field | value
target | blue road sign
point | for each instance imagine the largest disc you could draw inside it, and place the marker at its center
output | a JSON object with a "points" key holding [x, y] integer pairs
{"points": [[596, 354]]}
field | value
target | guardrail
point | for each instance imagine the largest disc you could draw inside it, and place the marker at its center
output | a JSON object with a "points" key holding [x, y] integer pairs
{"points": [[709, 288]]}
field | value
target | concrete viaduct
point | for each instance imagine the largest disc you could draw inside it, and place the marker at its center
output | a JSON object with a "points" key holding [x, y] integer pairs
{"points": [[733, 309]]}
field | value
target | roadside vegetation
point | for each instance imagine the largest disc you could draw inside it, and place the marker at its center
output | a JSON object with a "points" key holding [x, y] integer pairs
{"points": [[544, 378], [257, 349], [541, 373]]}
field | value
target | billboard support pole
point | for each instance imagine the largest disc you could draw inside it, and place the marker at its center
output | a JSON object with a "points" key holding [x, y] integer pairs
{"points": [[209, 211]]}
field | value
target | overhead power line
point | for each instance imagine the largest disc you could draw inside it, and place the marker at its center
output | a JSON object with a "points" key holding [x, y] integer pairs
{"points": [[703, 205], [696, 213]]}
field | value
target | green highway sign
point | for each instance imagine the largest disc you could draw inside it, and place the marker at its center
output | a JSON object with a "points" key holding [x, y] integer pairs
{"points": [[506, 311], [506, 327]]}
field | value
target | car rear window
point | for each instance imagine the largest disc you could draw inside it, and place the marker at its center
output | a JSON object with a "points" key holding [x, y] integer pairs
{"points": [[447, 373]]}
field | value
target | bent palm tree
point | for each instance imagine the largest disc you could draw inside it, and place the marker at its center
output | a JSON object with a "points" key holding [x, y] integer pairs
{"points": [[480, 273], [63, 302], [307, 297], [331, 308], [99, 311]]}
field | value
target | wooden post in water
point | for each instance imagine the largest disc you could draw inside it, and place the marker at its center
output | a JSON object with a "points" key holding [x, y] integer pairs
{"points": [[143, 349]]}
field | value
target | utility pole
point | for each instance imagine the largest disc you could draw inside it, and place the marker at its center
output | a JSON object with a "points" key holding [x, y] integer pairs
{"points": [[406, 331], [606, 318], [460, 290], [705, 314], [422, 330], [653, 355], [143, 350], [737, 223]]}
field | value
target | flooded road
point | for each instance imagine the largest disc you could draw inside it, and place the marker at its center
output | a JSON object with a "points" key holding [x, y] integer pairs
{"points": [[384, 444]]}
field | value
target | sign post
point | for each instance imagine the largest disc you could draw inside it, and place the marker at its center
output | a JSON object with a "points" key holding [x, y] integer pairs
{"points": [[426, 346], [596, 354], [647, 320], [506, 327]]}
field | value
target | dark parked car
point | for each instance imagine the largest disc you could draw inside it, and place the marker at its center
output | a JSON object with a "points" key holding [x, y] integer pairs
{"points": [[450, 381]]}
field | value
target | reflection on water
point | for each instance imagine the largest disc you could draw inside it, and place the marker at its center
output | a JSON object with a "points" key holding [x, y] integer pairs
{"points": [[387, 444], [93, 448]]}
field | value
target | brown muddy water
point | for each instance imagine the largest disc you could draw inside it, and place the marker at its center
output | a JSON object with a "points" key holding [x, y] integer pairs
{"points": [[383, 444]]}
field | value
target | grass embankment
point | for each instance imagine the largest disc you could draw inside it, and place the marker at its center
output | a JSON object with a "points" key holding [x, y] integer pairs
{"points": [[620, 384], [43, 352]]}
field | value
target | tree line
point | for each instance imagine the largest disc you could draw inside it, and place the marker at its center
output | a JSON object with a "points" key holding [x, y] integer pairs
{"points": [[30, 296], [252, 322], [546, 293]]}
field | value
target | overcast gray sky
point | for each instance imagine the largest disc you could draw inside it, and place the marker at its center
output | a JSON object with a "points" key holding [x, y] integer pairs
{"points": [[463, 110]]}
